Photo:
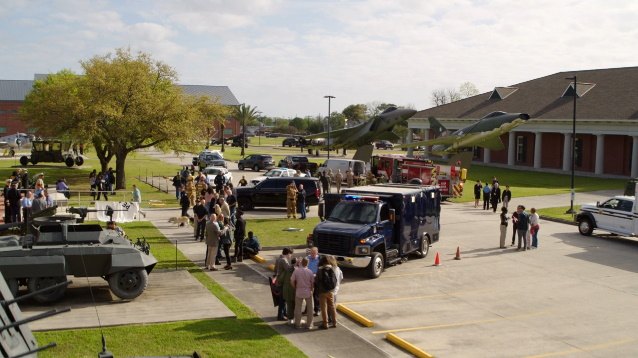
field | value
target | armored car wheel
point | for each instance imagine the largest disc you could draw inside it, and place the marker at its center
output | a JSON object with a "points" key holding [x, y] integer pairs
{"points": [[68, 161], [38, 283], [79, 161], [585, 227], [128, 284], [425, 247], [24, 160], [13, 286], [375, 268]]}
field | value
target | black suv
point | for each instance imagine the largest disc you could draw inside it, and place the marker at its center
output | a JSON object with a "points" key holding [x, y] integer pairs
{"points": [[384, 144], [271, 192], [290, 142], [256, 162]]}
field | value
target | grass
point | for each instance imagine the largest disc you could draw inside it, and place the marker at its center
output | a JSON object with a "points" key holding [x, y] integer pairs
{"points": [[559, 213], [270, 232], [526, 183], [246, 335]]}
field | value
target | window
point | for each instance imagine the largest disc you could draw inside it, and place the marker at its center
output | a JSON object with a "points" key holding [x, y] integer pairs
{"points": [[3, 129], [476, 153], [521, 149]]}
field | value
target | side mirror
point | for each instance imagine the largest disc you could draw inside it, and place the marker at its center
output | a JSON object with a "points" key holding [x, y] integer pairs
{"points": [[393, 216]]}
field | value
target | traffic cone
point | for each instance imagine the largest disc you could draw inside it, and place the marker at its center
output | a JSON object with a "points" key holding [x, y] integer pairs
{"points": [[437, 260], [458, 253]]}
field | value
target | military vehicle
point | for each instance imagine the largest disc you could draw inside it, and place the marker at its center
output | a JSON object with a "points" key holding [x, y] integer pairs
{"points": [[51, 151], [57, 246]]}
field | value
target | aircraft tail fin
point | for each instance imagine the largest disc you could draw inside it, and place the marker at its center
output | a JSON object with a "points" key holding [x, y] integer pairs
{"points": [[437, 127]]}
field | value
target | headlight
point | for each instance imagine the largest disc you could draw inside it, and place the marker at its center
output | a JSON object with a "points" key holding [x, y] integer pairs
{"points": [[362, 250]]}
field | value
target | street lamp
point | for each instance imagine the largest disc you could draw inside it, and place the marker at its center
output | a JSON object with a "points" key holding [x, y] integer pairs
{"points": [[571, 204], [329, 98]]}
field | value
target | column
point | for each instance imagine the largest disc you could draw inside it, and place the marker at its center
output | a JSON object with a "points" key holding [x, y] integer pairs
{"points": [[511, 149], [600, 153], [634, 157], [567, 152], [538, 139], [408, 140], [486, 155]]}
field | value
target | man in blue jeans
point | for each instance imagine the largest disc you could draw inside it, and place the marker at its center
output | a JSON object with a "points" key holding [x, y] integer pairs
{"points": [[301, 202], [522, 227]]}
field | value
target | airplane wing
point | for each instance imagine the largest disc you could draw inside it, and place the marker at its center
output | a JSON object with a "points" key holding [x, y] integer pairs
{"points": [[334, 134], [387, 136]]}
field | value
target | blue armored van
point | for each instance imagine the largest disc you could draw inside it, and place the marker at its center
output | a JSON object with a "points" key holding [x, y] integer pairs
{"points": [[376, 226]]}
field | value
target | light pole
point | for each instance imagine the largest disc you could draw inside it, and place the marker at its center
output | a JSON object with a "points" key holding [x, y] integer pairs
{"points": [[329, 98], [571, 204]]}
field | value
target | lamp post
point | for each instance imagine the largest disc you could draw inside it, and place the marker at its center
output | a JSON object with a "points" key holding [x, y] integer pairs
{"points": [[329, 98], [572, 194]]}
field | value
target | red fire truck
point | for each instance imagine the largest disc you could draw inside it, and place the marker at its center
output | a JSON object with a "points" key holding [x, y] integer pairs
{"points": [[401, 169]]}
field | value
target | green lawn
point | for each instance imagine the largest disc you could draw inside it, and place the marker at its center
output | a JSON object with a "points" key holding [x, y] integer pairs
{"points": [[271, 232], [559, 213], [247, 335]]}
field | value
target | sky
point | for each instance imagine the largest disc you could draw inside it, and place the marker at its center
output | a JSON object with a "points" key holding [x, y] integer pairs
{"points": [[283, 57]]}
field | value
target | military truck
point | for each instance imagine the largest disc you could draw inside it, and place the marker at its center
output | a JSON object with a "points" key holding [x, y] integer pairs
{"points": [[376, 226], [59, 246], [51, 151]]}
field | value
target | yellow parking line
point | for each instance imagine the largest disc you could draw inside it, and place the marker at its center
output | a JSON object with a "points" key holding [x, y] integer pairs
{"points": [[415, 297], [586, 349], [459, 324], [414, 350]]}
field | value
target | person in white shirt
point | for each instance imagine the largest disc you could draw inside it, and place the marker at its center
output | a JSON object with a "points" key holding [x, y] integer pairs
{"points": [[534, 226]]}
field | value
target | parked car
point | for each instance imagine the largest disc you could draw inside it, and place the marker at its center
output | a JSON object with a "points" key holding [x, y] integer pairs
{"points": [[208, 158], [384, 144], [298, 162], [212, 172], [290, 142], [271, 192], [238, 140], [616, 215], [276, 173], [256, 162], [272, 135]]}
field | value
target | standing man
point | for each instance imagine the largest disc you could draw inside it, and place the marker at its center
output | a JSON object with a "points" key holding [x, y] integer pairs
{"points": [[177, 183], [301, 202], [325, 182], [240, 234], [137, 198], [281, 266], [13, 199], [522, 227], [184, 202], [302, 280], [486, 197], [477, 193], [338, 180], [200, 219], [313, 265], [213, 233], [350, 178], [291, 200], [495, 196], [506, 196]]}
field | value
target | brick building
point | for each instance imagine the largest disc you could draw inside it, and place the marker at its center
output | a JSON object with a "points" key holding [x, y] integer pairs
{"points": [[606, 122], [13, 93]]}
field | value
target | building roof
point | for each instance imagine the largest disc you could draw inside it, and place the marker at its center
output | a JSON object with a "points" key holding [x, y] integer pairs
{"points": [[611, 94], [17, 90], [223, 93]]}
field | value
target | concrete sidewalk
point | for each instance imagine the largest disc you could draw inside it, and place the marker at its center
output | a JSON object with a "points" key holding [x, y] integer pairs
{"points": [[248, 282]]}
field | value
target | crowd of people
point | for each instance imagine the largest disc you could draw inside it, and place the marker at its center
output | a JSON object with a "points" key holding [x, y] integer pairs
{"points": [[306, 286], [525, 225], [102, 183], [24, 197]]}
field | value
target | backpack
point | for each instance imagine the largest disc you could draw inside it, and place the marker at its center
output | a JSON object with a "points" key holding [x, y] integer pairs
{"points": [[328, 279]]}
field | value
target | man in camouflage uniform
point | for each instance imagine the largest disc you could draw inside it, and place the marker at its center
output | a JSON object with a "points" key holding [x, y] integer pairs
{"points": [[291, 200]]}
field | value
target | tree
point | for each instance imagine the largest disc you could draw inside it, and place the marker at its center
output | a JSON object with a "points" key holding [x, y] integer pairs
{"points": [[355, 113], [120, 103], [375, 108], [442, 96], [245, 113], [468, 89], [299, 123], [337, 120], [439, 97]]}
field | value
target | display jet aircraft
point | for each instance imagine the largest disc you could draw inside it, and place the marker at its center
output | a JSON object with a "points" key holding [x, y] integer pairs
{"points": [[16, 141], [483, 133]]}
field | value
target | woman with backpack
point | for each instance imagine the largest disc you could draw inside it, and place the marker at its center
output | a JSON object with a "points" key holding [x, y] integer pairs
{"points": [[325, 283]]}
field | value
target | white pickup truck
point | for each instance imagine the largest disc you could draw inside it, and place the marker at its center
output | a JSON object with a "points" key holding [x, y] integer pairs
{"points": [[617, 215]]}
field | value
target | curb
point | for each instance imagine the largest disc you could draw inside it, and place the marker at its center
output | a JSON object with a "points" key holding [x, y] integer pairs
{"points": [[557, 220], [416, 351], [355, 316]]}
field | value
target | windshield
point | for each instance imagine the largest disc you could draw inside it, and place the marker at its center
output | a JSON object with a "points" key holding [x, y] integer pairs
{"points": [[354, 212], [213, 171], [273, 173]]}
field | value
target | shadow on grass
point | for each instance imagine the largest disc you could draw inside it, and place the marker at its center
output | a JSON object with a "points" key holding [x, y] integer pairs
{"points": [[230, 329]]}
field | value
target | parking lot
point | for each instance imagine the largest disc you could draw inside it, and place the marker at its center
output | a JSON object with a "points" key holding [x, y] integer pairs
{"points": [[574, 296]]}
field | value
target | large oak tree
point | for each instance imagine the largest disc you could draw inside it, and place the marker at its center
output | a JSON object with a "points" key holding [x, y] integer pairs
{"points": [[121, 103]]}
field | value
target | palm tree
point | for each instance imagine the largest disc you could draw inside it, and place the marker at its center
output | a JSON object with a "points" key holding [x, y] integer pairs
{"points": [[245, 113]]}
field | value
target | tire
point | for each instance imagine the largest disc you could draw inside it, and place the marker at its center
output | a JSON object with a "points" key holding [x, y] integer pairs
{"points": [[240, 166], [425, 247], [13, 286], [256, 168], [585, 227], [69, 162], [375, 268], [38, 283], [245, 204], [79, 161], [34, 161], [24, 160], [128, 284]]}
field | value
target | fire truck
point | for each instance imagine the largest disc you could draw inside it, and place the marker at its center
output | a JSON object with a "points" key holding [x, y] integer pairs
{"points": [[402, 169]]}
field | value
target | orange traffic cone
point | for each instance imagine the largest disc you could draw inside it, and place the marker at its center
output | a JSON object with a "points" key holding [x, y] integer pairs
{"points": [[458, 253], [437, 260]]}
